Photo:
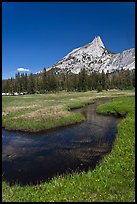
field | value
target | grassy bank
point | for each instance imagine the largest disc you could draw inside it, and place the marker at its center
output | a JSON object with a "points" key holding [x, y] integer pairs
{"points": [[113, 180], [34, 113]]}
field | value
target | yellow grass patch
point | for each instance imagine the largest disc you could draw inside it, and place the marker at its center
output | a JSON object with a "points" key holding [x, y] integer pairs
{"points": [[45, 114], [17, 108]]}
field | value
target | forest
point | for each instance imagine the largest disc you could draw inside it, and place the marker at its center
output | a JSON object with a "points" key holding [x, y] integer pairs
{"points": [[49, 81]]}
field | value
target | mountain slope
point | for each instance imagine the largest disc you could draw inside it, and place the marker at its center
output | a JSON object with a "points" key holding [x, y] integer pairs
{"points": [[95, 57]]}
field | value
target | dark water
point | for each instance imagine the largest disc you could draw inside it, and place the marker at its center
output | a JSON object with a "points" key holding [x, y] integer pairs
{"points": [[31, 158]]}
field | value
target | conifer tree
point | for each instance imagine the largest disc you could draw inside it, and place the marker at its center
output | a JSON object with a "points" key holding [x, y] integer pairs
{"points": [[83, 84], [31, 84]]}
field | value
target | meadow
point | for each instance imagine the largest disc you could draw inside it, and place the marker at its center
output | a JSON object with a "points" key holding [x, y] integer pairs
{"points": [[34, 113], [113, 179]]}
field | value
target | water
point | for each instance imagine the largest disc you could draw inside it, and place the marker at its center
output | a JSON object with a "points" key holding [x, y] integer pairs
{"points": [[29, 158]]}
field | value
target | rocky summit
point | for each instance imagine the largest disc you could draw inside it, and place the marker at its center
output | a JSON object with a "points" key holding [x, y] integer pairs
{"points": [[95, 57]]}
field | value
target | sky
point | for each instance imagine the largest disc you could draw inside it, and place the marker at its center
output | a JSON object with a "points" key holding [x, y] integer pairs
{"points": [[38, 34]]}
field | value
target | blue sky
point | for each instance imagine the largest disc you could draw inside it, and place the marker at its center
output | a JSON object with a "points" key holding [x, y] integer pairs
{"points": [[38, 34]]}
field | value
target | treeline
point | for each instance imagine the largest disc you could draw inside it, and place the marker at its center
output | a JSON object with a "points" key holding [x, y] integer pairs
{"points": [[49, 81]]}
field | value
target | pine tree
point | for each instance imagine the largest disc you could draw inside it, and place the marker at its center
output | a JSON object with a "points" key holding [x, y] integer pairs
{"points": [[45, 85], [11, 86], [26, 82], [103, 80], [52, 82], [17, 81], [31, 84], [83, 84]]}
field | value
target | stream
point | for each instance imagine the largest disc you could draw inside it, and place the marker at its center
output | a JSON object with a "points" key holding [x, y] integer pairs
{"points": [[30, 158]]}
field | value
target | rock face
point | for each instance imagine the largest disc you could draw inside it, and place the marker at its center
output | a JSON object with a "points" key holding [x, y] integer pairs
{"points": [[95, 57]]}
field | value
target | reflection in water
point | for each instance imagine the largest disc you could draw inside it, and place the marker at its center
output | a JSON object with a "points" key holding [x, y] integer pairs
{"points": [[31, 158]]}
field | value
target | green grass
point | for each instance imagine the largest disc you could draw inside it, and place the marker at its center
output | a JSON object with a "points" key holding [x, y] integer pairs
{"points": [[113, 179]]}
